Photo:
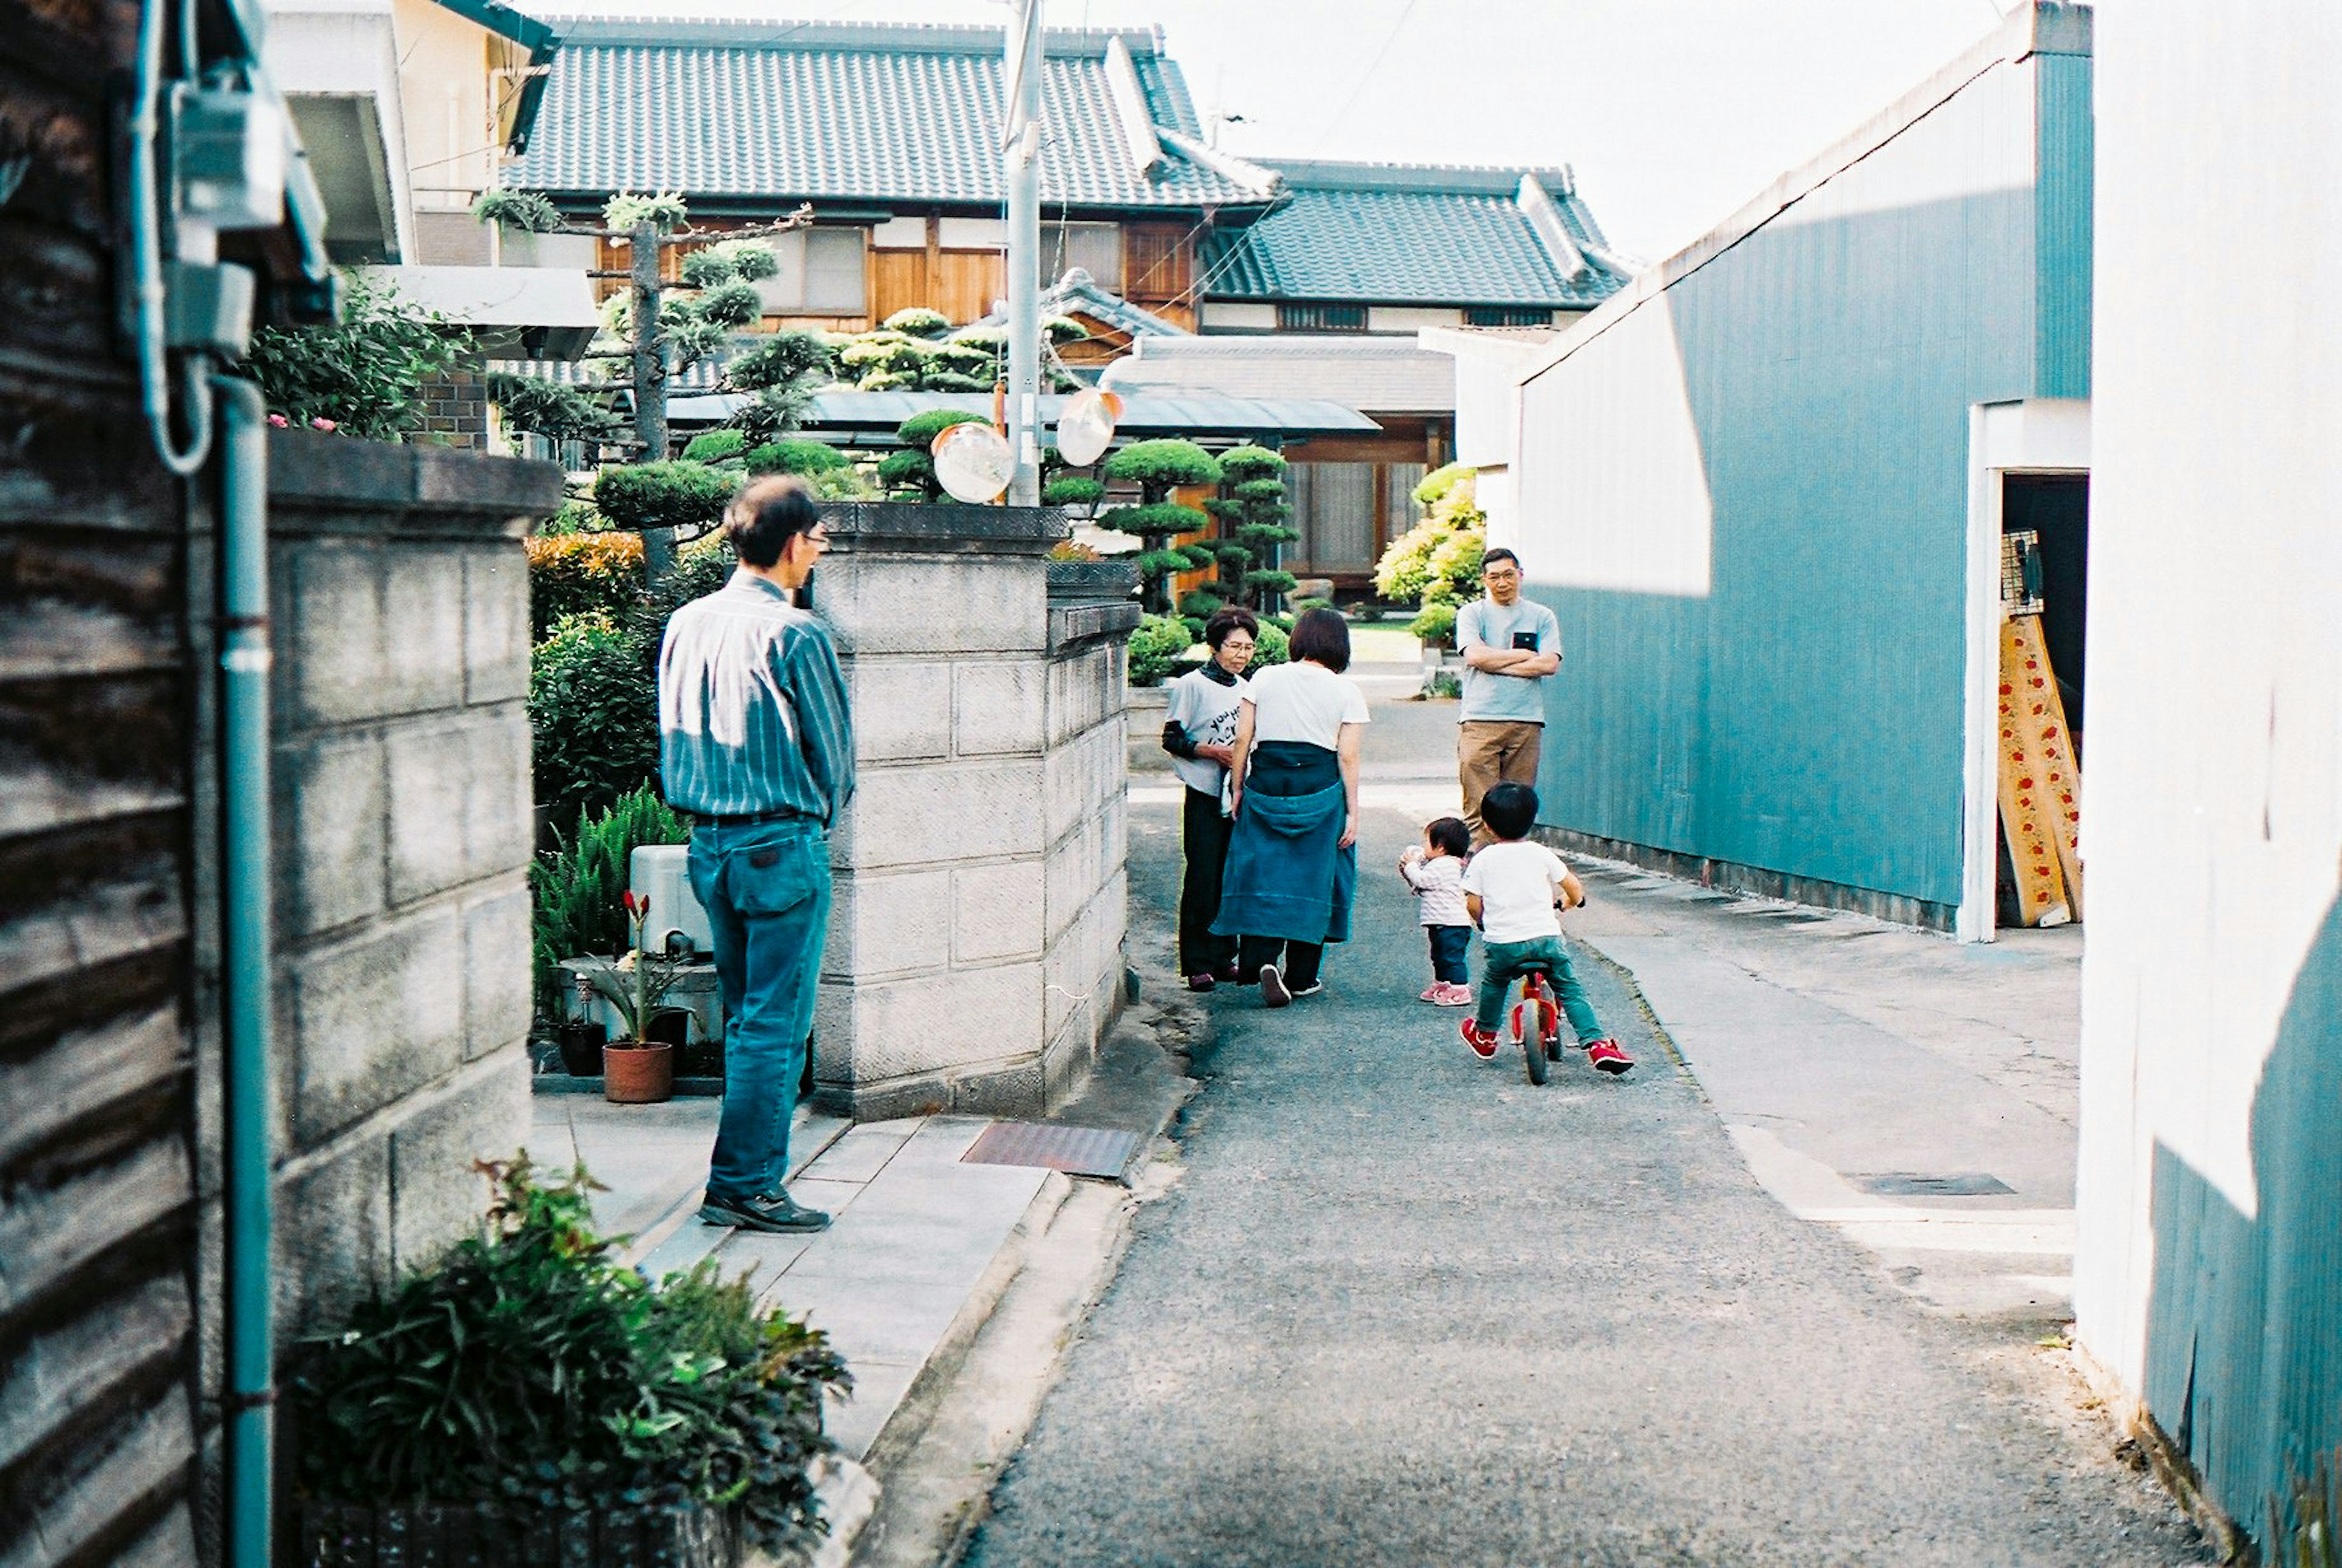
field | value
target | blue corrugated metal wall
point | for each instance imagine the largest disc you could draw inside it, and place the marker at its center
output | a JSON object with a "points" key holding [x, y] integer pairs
{"points": [[2062, 226], [1807, 715]]}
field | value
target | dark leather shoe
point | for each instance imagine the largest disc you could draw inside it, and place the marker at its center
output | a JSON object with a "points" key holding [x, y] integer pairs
{"points": [[775, 1212]]}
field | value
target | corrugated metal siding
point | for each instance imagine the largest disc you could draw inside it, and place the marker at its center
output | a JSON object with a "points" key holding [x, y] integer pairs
{"points": [[1783, 688], [97, 1147], [2063, 200]]}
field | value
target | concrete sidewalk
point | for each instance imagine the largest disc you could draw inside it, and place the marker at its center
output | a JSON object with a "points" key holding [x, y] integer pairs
{"points": [[1848, 1057], [913, 1232]]}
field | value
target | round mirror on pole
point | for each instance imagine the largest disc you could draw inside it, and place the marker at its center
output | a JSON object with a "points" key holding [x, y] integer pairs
{"points": [[1086, 427], [973, 462]]}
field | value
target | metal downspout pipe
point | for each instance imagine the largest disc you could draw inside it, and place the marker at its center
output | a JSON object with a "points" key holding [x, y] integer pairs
{"points": [[246, 899]]}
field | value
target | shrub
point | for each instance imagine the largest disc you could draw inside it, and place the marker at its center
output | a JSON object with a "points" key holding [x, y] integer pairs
{"points": [[363, 375], [665, 213], [1434, 488], [1158, 466], [581, 573], [1437, 623], [780, 359], [1254, 520], [593, 714], [1154, 525], [556, 409], [917, 321], [1440, 557], [531, 1365], [795, 456], [920, 430], [1270, 647], [524, 210], [1155, 647], [911, 472], [1073, 490], [1063, 329], [673, 494], [953, 381], [715, 446], [730, 304]]}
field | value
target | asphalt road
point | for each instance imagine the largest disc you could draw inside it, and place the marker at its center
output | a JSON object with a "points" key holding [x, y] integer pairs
{"points": [[1403, 1308]]}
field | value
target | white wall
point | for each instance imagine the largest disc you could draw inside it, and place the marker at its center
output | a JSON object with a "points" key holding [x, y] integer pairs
{"points": [[2216, 609]]}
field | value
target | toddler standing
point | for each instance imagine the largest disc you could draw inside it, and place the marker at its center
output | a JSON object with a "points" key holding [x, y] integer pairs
{"points": [[1434, 870]]}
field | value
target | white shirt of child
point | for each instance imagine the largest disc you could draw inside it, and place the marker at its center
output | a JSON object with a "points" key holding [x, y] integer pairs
{"points": [[1304, 701], [1518, 881], [1440, 889]]}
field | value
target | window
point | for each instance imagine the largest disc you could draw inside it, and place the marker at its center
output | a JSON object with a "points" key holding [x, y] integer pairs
{"points": [[1321, 318], [1334, 512], [1095, 248], [820, 274], [1507, 315]]}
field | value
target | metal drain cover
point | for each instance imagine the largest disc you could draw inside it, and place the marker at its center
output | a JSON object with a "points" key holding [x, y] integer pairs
{"points": [[1056, 1147], [1907, 1183]]}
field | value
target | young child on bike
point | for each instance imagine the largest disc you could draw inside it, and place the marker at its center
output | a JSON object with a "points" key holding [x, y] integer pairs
{"points": [[1514, 891], [1434, 869]]}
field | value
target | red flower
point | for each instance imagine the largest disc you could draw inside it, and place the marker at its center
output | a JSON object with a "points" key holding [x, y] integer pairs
{"points": [[279, 421], [627, 900], [322, 423]]}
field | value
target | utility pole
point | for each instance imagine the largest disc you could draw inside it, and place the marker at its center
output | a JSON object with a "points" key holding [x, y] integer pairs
{"points": [[1022, 147], [650, 362]]}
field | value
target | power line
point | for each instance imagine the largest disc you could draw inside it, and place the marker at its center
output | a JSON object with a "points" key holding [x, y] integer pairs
{"points": [[1360, 86]]}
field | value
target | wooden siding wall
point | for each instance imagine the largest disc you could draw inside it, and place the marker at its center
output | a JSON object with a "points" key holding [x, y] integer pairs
{"points": [[97, 1149]]}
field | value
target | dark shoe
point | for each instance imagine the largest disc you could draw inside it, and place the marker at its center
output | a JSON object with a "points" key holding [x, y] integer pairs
{"points": [[777, 1213], [1201, 983], [1604, 1056], [1315, 988], [1273, 993], [1228, 973]]}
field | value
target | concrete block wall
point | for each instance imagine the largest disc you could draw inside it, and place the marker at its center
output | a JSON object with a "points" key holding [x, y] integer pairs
{"points": [[975, 951], [403, 838]]}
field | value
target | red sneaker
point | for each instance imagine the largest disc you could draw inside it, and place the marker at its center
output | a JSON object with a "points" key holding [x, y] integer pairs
{"points": [[1604, 1056], [1201, 983], [1482, 1041]]}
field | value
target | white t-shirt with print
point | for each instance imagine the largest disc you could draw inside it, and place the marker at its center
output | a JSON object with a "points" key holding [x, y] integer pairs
{"points": [[1518, 882], [1207, 710], [1304, 701]]}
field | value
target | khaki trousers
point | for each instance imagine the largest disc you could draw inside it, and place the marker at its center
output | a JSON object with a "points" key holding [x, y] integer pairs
{"points": [[1490, 751]]}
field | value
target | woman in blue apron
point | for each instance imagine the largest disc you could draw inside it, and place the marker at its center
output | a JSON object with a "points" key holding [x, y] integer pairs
{"points": [[1293, 857]]}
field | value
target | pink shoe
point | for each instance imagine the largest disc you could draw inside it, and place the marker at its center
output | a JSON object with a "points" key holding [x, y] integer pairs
{"points": [[1455, 995], [1434, 992]]}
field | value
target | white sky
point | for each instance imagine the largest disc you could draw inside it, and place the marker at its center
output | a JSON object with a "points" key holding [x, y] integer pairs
{"points": [[1672, 112]]}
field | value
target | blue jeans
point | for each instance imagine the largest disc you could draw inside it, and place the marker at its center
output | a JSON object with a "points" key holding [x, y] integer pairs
{"points": [[1502, 962], [1450, 944], [765, 887]]}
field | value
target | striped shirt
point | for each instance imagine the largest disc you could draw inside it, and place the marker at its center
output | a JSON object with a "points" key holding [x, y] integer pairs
{"points": [[752, 708]]}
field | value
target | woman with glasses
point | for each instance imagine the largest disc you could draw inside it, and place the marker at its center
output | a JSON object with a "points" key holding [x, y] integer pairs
{"points": [[1200, 735]]}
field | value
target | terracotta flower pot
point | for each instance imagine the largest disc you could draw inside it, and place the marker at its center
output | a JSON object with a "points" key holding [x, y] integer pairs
{"points": [[637, 1073]]}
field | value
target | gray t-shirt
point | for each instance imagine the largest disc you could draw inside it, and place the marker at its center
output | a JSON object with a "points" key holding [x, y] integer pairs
{"points": [[1512, 698], [1207, 710]]}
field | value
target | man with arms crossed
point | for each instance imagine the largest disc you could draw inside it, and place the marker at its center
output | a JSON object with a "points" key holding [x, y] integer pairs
{"points": [[754, 742], [1510, 648]]}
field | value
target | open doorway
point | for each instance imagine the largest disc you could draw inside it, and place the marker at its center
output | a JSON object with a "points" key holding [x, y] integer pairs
{"points": [[2045, 536]]}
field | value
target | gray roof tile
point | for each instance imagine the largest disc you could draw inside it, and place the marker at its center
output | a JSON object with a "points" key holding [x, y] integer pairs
{"points": [[873, 113]]}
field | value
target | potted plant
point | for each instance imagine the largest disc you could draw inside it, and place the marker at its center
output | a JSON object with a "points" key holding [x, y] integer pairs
{"points": [[639, 1069], [530, 1401]]}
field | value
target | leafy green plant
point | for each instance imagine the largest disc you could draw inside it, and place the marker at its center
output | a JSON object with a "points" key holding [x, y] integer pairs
{"points": [[1272, 646], [665, 212], [577, 887], [531, 1368], [715, 446], [364, 374], [556, 409], [1435, 623], [918, 321], [1435, 565], [1074, 490], [672, 495], [1155, 647], [591, 715], [1254, 526]]}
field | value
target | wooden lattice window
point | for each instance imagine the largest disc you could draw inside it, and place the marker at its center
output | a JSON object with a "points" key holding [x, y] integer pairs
{"points": [[1321, 318]]}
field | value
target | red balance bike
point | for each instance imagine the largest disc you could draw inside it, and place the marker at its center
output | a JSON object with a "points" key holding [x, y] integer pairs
{"points": [[1536, 1022]]}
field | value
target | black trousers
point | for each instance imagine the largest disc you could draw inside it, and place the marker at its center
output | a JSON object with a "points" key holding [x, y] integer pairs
{"points": [[1301, 959], [1204, 832]]}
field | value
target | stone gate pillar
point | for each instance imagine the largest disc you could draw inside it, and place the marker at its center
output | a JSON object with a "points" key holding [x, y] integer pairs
{"points": [[975, 948]]}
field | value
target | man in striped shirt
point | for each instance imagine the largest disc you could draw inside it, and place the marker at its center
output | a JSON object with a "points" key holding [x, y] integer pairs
{"points": [[756, 744]]}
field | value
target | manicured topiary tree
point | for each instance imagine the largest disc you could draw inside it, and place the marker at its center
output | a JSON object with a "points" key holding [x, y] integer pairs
{"points": [[910, 474], [686, 497], [1252, 515], [1435, 565], [1158, 467]]}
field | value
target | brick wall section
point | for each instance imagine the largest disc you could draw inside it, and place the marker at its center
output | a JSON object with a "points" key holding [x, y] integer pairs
{"points": [[454, 412], [975, 952]]}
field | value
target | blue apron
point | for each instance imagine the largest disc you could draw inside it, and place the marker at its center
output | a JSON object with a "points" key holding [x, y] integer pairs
{"points": [[1287, 875]]}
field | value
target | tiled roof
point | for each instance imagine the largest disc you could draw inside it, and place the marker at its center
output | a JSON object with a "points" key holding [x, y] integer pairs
{"points": [[873, 113], [1400, 233], [1077, 293]]}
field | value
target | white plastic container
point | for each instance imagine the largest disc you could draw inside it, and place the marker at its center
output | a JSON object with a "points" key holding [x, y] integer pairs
{"points": [[657, 873]]}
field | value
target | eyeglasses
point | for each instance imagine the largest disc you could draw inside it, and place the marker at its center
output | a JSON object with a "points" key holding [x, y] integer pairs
{"points": [[1242, 644]]}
